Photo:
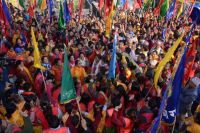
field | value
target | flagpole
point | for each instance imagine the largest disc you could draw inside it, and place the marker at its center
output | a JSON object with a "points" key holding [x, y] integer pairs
{"points": [[43, 80]]}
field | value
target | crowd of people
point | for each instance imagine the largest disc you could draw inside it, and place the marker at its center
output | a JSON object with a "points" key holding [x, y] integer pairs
{"points": [[29, 97]]}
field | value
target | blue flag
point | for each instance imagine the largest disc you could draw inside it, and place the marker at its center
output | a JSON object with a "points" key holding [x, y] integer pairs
{"points": [[6, 12], [66, 12], [23, 38], [170, 11], [156, 122], [164, 33], [122, 3], [50, 10], [187, 39], [113, 60], [170, 112]]}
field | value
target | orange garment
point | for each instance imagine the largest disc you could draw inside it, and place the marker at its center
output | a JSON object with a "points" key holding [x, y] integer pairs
{"points": [[57, 70], [128, 127], [11, 54], [79, 73], [17, 119], [194, 128], [14, 40]]}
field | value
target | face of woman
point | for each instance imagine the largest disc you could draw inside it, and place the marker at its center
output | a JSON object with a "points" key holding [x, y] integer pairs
{"points": [[46, 60], [82, 56], [56, 51], [72, 58]]}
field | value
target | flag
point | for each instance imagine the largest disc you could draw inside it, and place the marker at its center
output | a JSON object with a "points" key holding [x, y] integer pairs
{"points": [[170, 12], [2, 15], [31, 11], [164, 8], [15, 3], [187, 39], [61, 22], [156, 11], [156, 121], [107, 7], [22, 4], [75, 6], [181, 9], [122, 3], [71, 7], [80, 7], [112, 66], [137, 4], [43, 5], [146, 5], [66, 12], [50, 10], [190, 60], [67, 86], [125, 7], [109, 21], [171, 110], [37, 59], [164, 32], [39, 3], [100, 5], [166, 59], [153, 4], [6, 12], [190, 10]]}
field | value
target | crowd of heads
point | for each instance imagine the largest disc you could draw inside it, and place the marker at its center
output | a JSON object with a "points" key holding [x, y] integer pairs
{"points": [[30, 97]]}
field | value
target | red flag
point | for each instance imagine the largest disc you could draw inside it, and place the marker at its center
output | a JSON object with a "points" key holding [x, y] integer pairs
{"points": [[3, 20], [107, 7], [71, 7], [31, 11], [125, 5], [137, 4], [80, 7], [140, 3], [100, 5], [190, 60], [157, 9]]}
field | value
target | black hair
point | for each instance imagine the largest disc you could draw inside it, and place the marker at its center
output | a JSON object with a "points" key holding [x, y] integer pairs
{"points": [[26, 86], [10, 109], [53, 121], [116, 101], [68, 108], [85, 98], [75, 120]]}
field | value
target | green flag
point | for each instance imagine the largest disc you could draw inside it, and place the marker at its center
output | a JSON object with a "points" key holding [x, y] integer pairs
{"points": [[164, 8], [76, 4], [21, 3], [153, 4], [39, 3], [61, 23], [67, 87], [146, 5]]}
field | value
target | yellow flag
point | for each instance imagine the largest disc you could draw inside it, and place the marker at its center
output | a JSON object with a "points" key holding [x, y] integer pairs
{"points": [[15, 3], [37, 60], [109, 21], [43, 5], [181, 9], [166, 59]]}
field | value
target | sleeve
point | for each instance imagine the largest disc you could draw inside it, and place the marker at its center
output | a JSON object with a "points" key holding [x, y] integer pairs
{"points": [[116, 120]]}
